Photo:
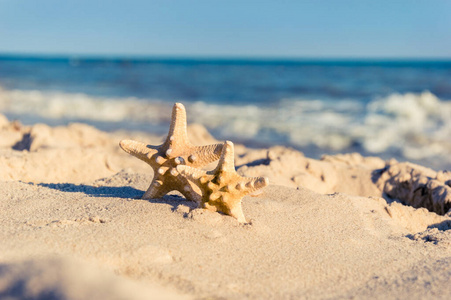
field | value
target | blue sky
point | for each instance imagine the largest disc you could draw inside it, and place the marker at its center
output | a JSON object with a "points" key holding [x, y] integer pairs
{"points": [[360, 28]]}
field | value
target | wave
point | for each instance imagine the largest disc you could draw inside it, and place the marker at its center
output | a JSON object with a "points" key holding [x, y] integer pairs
{"points": [[416, 126], [60, 105]]}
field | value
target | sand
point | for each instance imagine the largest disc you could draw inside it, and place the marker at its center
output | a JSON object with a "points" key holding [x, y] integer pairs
{"points": [[72, 225]]}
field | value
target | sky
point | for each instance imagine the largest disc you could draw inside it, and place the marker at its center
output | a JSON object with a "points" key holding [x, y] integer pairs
{"points": [[295, 29]]}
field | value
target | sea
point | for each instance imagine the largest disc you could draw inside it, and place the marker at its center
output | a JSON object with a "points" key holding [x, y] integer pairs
{"points": [[388, 108]]}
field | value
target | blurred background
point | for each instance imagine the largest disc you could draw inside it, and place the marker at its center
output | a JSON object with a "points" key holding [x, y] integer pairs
{"points": [[324, 77]]}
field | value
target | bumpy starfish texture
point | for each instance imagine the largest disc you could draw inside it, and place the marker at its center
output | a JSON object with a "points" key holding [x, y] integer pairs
{"points": [[176, 150], [223, 188]]}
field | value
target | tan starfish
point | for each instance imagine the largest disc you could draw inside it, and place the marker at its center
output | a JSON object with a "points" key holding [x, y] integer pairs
{"points": [[222, 189], [176, 150]]}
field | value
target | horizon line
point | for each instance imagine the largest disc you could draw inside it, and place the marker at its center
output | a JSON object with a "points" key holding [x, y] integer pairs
{"points": [[175, 57]]}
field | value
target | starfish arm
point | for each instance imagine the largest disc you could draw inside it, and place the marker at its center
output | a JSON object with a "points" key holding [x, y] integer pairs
{"points": [[195, 175], [155, 191], [237, 212], [227, 204], [140, 150], [203, 155], [226, 161], [177, 130], [190, 194], [250, 185]]}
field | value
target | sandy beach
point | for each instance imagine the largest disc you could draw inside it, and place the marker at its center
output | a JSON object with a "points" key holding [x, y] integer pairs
{"points": [[73, 226]]}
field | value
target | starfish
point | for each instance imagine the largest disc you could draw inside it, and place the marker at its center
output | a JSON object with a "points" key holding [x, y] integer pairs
{"points": [[176, 150], [223, 188]]}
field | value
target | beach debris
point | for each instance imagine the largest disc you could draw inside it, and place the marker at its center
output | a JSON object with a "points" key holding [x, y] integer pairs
{"points": [[417, 186], [176, 150], [223, 188]]}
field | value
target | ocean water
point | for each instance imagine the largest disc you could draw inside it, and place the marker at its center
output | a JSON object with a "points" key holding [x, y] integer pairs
{"points": [[399, 109]]}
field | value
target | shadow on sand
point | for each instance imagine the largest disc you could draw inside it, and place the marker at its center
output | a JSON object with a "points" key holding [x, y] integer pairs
{"points": [[101, 191], [125, 192]]}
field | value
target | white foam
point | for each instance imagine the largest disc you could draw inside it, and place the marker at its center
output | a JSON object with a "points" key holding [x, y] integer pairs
{"points": [[59, 105], [416, 125], [302, 122]]}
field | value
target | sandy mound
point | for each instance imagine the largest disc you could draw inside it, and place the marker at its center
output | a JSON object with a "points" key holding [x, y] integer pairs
{"points": [[350, 173], [76, 153]]}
